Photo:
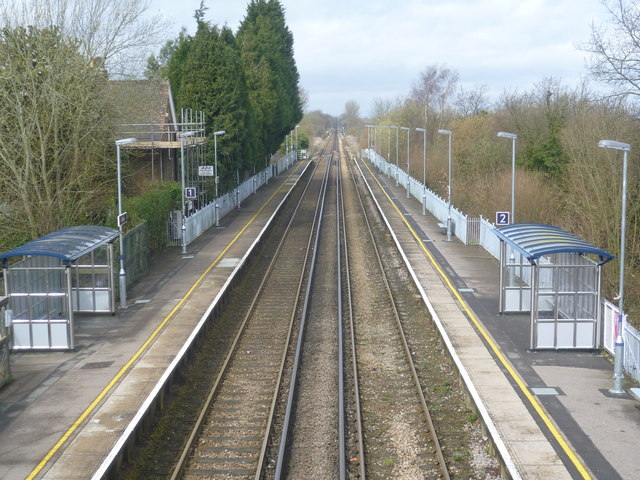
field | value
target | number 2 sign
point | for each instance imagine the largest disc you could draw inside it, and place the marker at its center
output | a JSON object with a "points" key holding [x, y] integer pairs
{"points": [[502, 218]]}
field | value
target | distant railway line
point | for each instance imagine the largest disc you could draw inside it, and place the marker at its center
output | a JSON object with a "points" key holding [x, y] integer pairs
{"points": [[325, 363]]}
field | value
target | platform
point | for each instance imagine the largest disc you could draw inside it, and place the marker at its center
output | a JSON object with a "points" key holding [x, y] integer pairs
{"points": [[79, 402], [564, 394]]}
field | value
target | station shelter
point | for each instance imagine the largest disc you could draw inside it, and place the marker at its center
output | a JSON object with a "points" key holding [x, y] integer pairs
{"points": [[51, 278], [555, 276]]}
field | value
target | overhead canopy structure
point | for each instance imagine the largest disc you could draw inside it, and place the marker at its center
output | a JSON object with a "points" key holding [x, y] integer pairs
{"points": [[555, 275], [70, 270], [66, 245], [534, 240]]}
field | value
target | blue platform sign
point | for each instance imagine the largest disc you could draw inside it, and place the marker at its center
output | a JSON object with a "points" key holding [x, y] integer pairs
{"points": [[190, 193], [502, 218]]}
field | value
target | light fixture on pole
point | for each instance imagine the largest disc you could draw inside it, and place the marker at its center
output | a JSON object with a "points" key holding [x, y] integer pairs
{"points": [[368, 141], [397, 166], [408, 179], [618, 364], [449, 133], [424, 169], [215, 170], [182, 135], [122, 277], [513, 137]]}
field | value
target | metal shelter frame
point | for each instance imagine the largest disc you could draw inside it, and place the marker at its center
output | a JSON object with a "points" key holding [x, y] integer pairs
{"points": [[547, 271], [70, 270]]}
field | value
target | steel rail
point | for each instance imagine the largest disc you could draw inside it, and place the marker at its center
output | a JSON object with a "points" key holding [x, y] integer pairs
{"points": [[178, 470], [316, 229], [423, 402]]}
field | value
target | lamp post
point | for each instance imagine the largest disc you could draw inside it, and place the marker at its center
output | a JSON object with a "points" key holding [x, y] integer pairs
{"points": [[618, 366], [397, 166], [215, 170], [424, 169], [122, 277], [368, 141], [296, 130], [513, 137], [448, 132], [408, 179], [184, 210]]}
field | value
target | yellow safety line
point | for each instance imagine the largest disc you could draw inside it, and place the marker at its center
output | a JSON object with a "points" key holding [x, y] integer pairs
{"points": [[144, 346], [496, 350]]}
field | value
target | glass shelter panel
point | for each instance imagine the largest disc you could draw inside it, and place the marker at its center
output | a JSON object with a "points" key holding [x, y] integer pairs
{"points": [[37, 288], [567, 298]]}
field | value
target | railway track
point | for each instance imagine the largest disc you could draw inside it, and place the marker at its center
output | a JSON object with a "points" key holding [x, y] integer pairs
{"points": [[397, 430], [320, 379], [232, 434]]}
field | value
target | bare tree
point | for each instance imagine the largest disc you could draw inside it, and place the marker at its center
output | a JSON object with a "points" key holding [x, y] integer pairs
{"points": [[117, 31], [54, 125], [432, 95], [615, 53], [472, 102]]}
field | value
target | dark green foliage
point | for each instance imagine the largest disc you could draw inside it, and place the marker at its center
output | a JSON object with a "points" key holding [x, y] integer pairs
{"points": [[266, 47], [206, 74], [303, 141], [154, 209]]}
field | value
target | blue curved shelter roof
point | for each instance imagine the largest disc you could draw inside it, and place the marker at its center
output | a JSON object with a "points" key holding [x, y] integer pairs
{"points": [[67, 244], [534, 240]]}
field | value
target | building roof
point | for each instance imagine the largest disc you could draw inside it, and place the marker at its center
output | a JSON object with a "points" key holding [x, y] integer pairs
{"points": [[67, 244], [535, 240]]}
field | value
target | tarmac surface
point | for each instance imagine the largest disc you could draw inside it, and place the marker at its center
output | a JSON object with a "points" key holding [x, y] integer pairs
{"points": [[51, 390]]}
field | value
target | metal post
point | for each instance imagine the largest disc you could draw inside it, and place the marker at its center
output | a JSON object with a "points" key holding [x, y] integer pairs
{"points": [[215, 171], [448, 132], [122, 277], [397, 167], [618, 365], [513, 137], [408, 176], [424, 169], [184, 225]]}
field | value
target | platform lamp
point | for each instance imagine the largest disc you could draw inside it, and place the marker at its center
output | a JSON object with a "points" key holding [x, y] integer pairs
{"points": [[448, 132], [618, 365], [397, 167], [122, 277], [215, 168], [181, 135], [368, 141], [513, 137], [424, 168], [408, 179]]}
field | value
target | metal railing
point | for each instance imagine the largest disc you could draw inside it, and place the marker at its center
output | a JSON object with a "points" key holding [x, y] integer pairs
{"points": [[478, 231], [204, 218]]}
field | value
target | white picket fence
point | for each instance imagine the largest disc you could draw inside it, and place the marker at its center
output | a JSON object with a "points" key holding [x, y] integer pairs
{"points": [[478, 231], [198, 222]]}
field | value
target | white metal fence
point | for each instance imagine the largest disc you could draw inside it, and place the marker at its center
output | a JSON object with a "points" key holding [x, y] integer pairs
{"points": [[198, 222], [478, 231]]}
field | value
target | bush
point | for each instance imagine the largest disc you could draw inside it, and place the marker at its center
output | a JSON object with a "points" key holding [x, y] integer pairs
{"points": [[154, 208]]}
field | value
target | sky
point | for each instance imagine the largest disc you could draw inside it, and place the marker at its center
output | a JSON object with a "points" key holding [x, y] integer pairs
{"points": [[365, 50]]}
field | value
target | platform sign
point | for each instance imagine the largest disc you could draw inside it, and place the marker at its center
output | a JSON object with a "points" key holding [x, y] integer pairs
{"points": [[205, 170], [502, 218], [190, 193], [122, 219]]}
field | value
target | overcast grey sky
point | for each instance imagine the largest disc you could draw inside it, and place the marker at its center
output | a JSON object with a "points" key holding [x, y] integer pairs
{"points": [[366, 49]]}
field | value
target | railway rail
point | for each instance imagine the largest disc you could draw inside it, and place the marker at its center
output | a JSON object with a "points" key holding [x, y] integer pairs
{"points": [[319, 379], [231, 436]]}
